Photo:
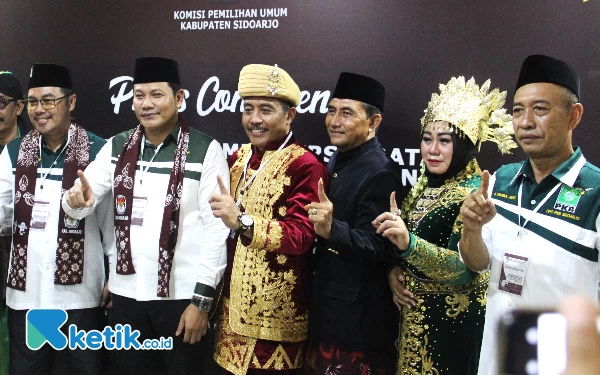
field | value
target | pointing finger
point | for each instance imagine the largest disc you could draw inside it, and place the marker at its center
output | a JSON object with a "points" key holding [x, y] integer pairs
{"points": [[322, 195], [485, 183], [393, 205], [85, 185]]}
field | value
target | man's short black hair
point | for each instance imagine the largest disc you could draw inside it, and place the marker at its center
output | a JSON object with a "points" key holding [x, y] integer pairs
{"points": [[285, 106], [371, 110], [66, 91], [175, 87]]}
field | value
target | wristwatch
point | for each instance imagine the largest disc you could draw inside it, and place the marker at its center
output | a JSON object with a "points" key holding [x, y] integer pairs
{"points": [[246, 222], [202, 303]]}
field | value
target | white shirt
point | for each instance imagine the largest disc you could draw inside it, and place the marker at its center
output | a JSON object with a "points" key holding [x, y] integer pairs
{"points": [[200, 253], [40, 290], [552, 274]]}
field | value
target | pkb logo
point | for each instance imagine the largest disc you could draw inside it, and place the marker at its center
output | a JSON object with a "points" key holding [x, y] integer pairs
{"points": [[43, 326]]}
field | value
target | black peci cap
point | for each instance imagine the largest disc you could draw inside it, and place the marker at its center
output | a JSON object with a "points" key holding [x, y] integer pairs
{"points": [[541, 68], [362, 88]]}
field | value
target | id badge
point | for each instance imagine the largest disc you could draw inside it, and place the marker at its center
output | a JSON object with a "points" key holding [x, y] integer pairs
{"points": [[137, 210], [39, 215], [512, 274], [6, 227]]}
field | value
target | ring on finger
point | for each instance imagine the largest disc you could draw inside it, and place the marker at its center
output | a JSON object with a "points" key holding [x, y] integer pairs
{"points": [[312, 211], [394, 216]]}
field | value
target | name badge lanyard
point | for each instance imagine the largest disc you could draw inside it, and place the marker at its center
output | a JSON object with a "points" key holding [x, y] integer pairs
{"points": [[536, 209], [243, 190], [44, 177], [143, 144]]}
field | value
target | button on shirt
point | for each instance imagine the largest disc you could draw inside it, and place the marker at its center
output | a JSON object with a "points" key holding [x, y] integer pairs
{"points": [[200, 253], [561, 241], [40, 290]]}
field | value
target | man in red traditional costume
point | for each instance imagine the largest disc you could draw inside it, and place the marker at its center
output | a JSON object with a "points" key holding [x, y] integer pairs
{"points": [[263, 321]]}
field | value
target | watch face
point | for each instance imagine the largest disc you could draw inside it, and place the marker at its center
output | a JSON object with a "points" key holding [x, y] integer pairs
{"points": [[246, 220]]}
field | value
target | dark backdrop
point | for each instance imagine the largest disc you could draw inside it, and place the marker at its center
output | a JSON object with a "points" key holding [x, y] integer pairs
{"points": [[409, 45]]}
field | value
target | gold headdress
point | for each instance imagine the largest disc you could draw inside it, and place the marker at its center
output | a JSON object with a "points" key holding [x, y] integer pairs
{"points": [[268, 81], [477, 112]]}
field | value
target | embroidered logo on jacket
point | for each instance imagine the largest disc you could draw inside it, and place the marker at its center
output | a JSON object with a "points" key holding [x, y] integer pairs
{"points": [[568, 198]]}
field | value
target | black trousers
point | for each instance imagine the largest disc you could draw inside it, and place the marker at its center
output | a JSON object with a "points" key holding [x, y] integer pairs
{"points": [[155, 319], [32, 362]]}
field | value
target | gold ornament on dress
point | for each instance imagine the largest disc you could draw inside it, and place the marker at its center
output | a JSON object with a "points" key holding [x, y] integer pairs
{"points": [[475, 110], [263, 282]]}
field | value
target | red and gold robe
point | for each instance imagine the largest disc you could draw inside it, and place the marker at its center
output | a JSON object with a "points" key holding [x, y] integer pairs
{"points": [[263, 322]]}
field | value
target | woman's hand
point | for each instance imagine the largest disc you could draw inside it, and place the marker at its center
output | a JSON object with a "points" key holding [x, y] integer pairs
{"points": [[391, 226]]}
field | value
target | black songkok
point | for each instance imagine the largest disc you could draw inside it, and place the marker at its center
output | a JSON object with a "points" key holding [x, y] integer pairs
{"points": [[50, 75], [156, 69], [362, 88], [540, 68], [10, 85]]}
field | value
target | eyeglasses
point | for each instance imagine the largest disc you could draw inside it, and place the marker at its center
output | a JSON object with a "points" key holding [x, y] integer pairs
{"points": [[47, 104], [4, 102]]}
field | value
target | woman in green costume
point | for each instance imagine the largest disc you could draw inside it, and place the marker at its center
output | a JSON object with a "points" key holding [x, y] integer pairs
{"points": [[443, 305]]}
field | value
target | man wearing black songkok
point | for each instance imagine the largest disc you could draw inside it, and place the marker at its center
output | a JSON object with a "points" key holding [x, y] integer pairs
{"points": [[11, 106], [534, 224], [169, 253], [353, 313], [56, 262]]}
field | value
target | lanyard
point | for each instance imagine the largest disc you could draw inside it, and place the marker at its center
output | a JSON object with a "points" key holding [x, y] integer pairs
{"points": [[44, 177], [153, 156], [241, 195], [151, 160], [537, 208]]}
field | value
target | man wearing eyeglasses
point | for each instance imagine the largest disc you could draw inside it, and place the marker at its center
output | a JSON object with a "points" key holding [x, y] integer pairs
{"points": [[11, 106], [56, 261]]}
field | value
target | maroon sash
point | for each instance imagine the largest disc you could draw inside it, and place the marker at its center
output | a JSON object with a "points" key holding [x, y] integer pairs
{"points": [[71, 234], [123, 192]]}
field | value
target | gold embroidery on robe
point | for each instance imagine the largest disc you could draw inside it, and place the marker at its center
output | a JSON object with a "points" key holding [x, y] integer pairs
{"points": [[261, 299], [232, 352], [235, 353], [414, 343], [280, 360], [430, 265], [458, 303]]}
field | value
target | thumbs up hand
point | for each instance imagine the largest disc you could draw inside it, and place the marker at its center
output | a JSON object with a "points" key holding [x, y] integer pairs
{"points": [[391, 226], [81, 194], [320, 213], [223, 206], [478, 209]]}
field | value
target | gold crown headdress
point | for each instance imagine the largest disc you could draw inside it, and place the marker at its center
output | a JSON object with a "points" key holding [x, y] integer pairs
{"points": [[476, 111]]}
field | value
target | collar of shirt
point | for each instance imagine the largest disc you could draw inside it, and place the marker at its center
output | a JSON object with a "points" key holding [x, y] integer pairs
{"points": [[565, 172], [171, 138], [342, 158], [49, 152]]}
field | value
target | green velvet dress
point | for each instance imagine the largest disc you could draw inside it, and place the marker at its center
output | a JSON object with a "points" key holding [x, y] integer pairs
{"points": [[443, 334]]}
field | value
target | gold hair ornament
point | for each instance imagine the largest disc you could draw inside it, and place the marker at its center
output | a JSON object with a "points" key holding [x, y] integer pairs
{"points": [[476, 111]]}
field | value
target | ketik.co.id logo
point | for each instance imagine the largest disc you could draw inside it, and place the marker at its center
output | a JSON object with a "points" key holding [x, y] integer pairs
{"points": [[43, 326]]}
